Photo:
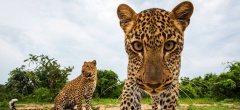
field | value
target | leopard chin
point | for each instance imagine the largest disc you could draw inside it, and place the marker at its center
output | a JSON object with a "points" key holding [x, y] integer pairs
{"points": [[154, 89]]}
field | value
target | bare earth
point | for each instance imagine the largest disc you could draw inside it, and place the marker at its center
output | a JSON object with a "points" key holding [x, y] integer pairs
{"points": [[102, 107]]}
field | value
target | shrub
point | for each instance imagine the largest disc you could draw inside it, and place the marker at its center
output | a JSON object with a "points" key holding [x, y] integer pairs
{"points": [[43, 95], [4, 104]]}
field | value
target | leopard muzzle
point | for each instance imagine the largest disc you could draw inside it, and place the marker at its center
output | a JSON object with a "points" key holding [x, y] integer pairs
{"points": [[154, 77]]}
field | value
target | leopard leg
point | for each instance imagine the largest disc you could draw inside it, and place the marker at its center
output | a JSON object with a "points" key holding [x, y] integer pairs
{"points": [[168, 99], [89, 98], [79, 102], [58, 107], [155, 102], [131, 96]]}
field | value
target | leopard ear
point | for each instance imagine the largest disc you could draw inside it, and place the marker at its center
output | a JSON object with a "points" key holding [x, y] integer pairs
{"points": [[126, 16], [94, 62], [182, 13]]}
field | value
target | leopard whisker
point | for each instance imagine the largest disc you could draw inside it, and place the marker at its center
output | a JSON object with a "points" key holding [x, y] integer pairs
{"points": [[115, 84], [186, 94]]}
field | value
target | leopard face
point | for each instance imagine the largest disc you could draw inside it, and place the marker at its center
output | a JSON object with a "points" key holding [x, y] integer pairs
{"points": [[89, 70], [154, 41]]}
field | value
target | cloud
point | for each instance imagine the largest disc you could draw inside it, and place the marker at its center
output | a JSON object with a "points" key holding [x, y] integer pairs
{"points": [[212, 38], [71, 32], [76, 31], [10, 57]]}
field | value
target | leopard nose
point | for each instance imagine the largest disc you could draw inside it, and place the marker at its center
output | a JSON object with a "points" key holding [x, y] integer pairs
{"points": [[89, 74], [153, 86]]}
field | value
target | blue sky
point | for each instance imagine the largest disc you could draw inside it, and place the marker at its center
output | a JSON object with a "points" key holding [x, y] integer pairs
{"points": [[84, 30]]}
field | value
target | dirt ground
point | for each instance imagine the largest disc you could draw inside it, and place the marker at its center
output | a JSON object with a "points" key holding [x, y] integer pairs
{"points": [[98, 107], [102, 107]]}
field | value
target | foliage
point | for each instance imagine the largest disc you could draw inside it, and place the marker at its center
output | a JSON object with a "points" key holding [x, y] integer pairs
{"points": [[225, 85], [42, 95], [4, 104], [48, 72], [3, 92], [46, 76], [43, 78], [108, 85], [189, 91], [20, 81]]}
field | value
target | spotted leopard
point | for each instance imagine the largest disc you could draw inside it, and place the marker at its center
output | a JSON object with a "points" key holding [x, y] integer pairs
{"points": [[81, 87], [154, 42]]}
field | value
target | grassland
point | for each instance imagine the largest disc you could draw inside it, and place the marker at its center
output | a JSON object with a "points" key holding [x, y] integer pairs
{"points": [[183, 104]]}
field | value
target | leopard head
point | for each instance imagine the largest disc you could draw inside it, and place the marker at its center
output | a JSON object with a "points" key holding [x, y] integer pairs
{"points": [[154, 41], [89, 70]]}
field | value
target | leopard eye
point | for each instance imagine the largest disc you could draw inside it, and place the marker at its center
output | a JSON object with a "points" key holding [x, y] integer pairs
{"points": [[137, 46], [168, 46]]}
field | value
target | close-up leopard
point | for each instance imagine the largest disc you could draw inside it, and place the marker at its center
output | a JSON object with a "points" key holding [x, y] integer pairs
{"points": [[76, 90], [154, 41]]}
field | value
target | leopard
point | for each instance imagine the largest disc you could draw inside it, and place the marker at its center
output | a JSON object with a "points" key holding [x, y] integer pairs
{"points": [[154, 40], [79, 88]]}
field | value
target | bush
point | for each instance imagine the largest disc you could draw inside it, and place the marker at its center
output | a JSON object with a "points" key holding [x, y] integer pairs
{"points": [[108, 85], [43, 95], [227, 100], [4, 104], [187, 91]]}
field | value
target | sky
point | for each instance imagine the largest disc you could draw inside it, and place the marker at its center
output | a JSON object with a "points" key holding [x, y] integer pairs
{"points": [[74, 31]]}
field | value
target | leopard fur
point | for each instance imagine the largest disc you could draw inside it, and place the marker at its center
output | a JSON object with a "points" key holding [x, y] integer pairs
{"points": [[154, 42], [81, 87]]}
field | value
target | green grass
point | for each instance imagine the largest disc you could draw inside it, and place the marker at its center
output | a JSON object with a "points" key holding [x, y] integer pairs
{"points": [[198, 101], [209, 104], [187, 101], [116, 101], [212, 104], [191, 104], [147, 101], [218, 107], [105, 101]]}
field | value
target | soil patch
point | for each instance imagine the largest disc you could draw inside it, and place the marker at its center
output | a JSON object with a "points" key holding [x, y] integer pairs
{"points": [[106, 107]]}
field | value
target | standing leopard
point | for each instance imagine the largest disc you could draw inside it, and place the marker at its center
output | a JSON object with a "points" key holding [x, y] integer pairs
{"points": [[154, 41], [81, 87]]}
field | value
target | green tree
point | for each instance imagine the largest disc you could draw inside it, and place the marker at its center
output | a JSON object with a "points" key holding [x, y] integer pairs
{"points": [[20, 82], [227, 84], [188, 91], [209, 80], [188, 88], [108, 85], [185, 80], [48, 72], [45, 75], [200, 87], [234, 73], [3, 93], [197, 87]]}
